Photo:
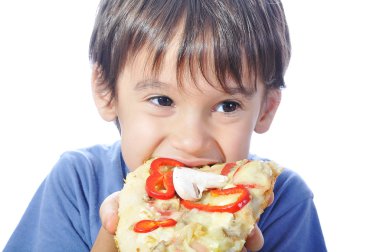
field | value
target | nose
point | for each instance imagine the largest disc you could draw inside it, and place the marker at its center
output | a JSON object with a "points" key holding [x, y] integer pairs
{"points": [[192, 136]]}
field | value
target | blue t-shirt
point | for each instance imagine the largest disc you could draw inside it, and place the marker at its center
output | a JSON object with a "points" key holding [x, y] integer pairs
{"points": [[64, 213]]}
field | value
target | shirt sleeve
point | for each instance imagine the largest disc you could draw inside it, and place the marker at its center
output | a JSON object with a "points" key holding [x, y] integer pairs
{"points": [[291, 223], [63, 215], [57, 218]]}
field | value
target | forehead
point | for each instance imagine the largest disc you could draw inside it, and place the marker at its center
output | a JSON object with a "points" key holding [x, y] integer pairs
{"points": [[191, 73], [181, 63]]}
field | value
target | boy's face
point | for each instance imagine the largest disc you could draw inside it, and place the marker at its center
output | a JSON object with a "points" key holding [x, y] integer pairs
{"points": [[195, 124]]}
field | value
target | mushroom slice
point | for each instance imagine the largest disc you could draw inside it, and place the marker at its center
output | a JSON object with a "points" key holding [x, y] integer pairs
{"points": [[190, 183]]}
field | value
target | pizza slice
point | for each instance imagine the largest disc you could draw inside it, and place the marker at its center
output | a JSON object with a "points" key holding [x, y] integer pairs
{"points": [[165, 206]]}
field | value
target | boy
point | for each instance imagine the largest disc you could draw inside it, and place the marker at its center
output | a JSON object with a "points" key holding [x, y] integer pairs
{"points": [[184, 79]]}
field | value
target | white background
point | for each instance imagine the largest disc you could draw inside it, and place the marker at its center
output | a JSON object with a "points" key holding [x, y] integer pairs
{"points": [[327, 128]]}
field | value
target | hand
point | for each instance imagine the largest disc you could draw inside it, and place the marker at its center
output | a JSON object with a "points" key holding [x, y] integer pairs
{"points": [[255, 240], [108, 214]]}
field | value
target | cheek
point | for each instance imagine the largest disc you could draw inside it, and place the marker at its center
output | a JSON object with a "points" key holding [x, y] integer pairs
{"points": [[139, 140], [236, 145], [235, 141]]}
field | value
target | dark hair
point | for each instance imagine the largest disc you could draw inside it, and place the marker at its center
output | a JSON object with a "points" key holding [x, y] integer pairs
{"points": [[223, 32]]}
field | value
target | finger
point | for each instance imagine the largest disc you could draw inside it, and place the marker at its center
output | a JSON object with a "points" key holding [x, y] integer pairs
{"points": [[255, 240], [104, 242], [109, 212], [270, 199]]}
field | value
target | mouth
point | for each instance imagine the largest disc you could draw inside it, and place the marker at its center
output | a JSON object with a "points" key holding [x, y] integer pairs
{"points": [[196, 163]]}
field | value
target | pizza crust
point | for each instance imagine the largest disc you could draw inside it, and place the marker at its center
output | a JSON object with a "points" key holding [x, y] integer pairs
{"points": [[195, 229]]}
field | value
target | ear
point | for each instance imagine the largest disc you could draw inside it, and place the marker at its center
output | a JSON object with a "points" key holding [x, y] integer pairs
{"points": [[103, 101], [270, 103]]}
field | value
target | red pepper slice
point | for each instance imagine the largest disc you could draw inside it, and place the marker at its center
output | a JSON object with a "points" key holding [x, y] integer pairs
{"points": [[145, 226], [233, 207], [159, 162], [227, 168], [159, 184]]}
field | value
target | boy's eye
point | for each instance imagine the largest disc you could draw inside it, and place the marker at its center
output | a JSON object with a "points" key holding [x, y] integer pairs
{"points": [[161, 101], [227, 107]]}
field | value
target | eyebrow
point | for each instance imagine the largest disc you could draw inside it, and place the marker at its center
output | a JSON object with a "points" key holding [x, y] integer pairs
{"points": [[150, 84], [239, 92]]}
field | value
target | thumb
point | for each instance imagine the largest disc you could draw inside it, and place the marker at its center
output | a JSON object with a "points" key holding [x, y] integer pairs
{"points": [[255, 240], [109, 212]]}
